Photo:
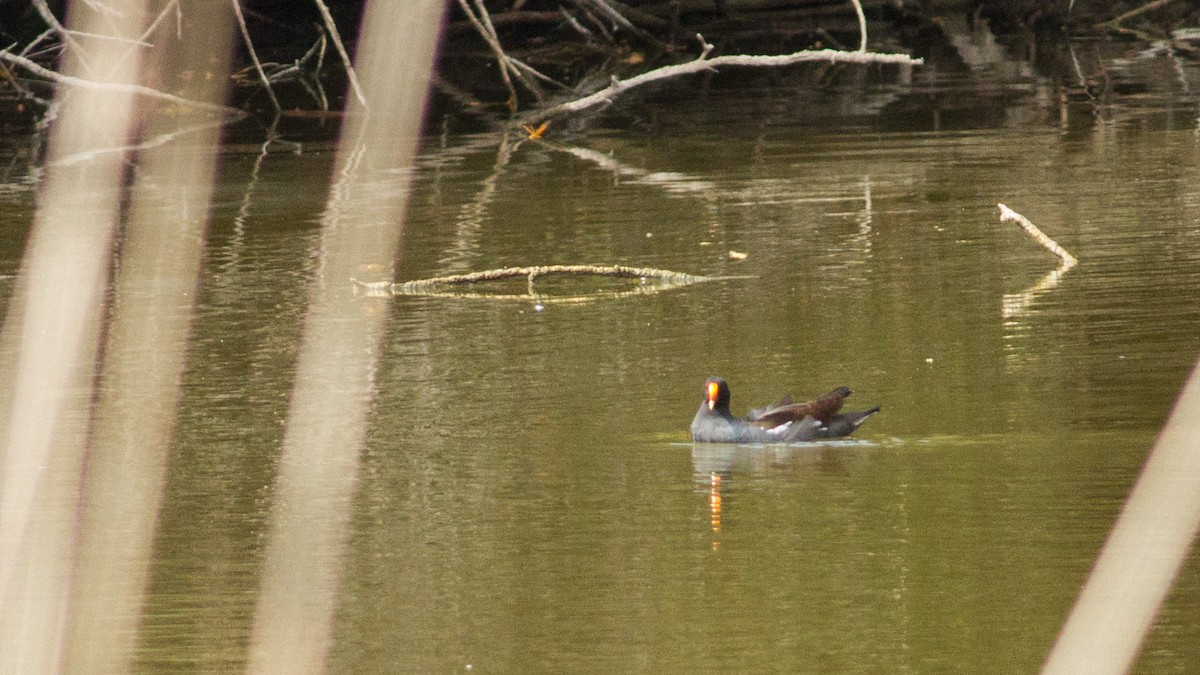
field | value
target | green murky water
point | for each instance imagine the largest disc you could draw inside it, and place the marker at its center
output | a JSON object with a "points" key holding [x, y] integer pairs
{"points": [[528, 498]]}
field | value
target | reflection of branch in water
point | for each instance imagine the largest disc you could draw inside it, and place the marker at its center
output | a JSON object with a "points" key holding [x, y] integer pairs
{"points": [[159, 140], [535, 271], [239, 221], [466, 233], [668, 180], [473, 213], [1015, 304], [865, 217], [230, 260]]}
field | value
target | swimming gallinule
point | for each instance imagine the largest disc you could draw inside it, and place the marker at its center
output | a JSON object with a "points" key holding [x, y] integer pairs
{"points": [[784, 422]]}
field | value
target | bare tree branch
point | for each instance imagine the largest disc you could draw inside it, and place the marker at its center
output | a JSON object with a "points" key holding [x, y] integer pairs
{"points": [[704, 63], [444, 286], [331, 28], [43, 10], [614, 12], [1007, 214], [68, 80], [143, 40], [535, 271], [241, 19], [494, 44]]}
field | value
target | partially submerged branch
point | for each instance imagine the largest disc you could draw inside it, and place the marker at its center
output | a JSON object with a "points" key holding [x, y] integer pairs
{"points": [[1015, 304], [1007, 214], [549, 270], [440, 286]]}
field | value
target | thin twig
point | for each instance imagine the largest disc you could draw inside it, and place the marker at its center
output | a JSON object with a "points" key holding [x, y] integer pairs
{"points": [[1007, 214], [44, 11], [496, 49], [617, 17], [28, 49], [241, 19], [137, 42], [144, 38], [20, 88], [574, 23], [597, 24], [533, 72], [331, 28], [506, 61]]}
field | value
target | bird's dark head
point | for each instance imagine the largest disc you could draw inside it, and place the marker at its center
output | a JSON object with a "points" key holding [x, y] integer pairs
{"points": [[716, 394]]}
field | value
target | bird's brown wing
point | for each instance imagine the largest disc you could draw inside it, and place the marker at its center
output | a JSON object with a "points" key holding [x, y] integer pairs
{"points": [[821, 409]]}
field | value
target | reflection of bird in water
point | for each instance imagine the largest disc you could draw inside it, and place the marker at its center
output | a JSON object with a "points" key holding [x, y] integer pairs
{"points": [[714, 500], [714, 506], [784, 422]]}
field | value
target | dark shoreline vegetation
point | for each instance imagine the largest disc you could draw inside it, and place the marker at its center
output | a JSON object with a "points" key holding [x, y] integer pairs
{"points": [[560, 50]]}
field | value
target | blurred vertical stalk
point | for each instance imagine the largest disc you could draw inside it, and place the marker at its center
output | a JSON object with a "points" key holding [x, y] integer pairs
{"points": [[50, 340], [334, 385], [1143, 554], [146, 340]]}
